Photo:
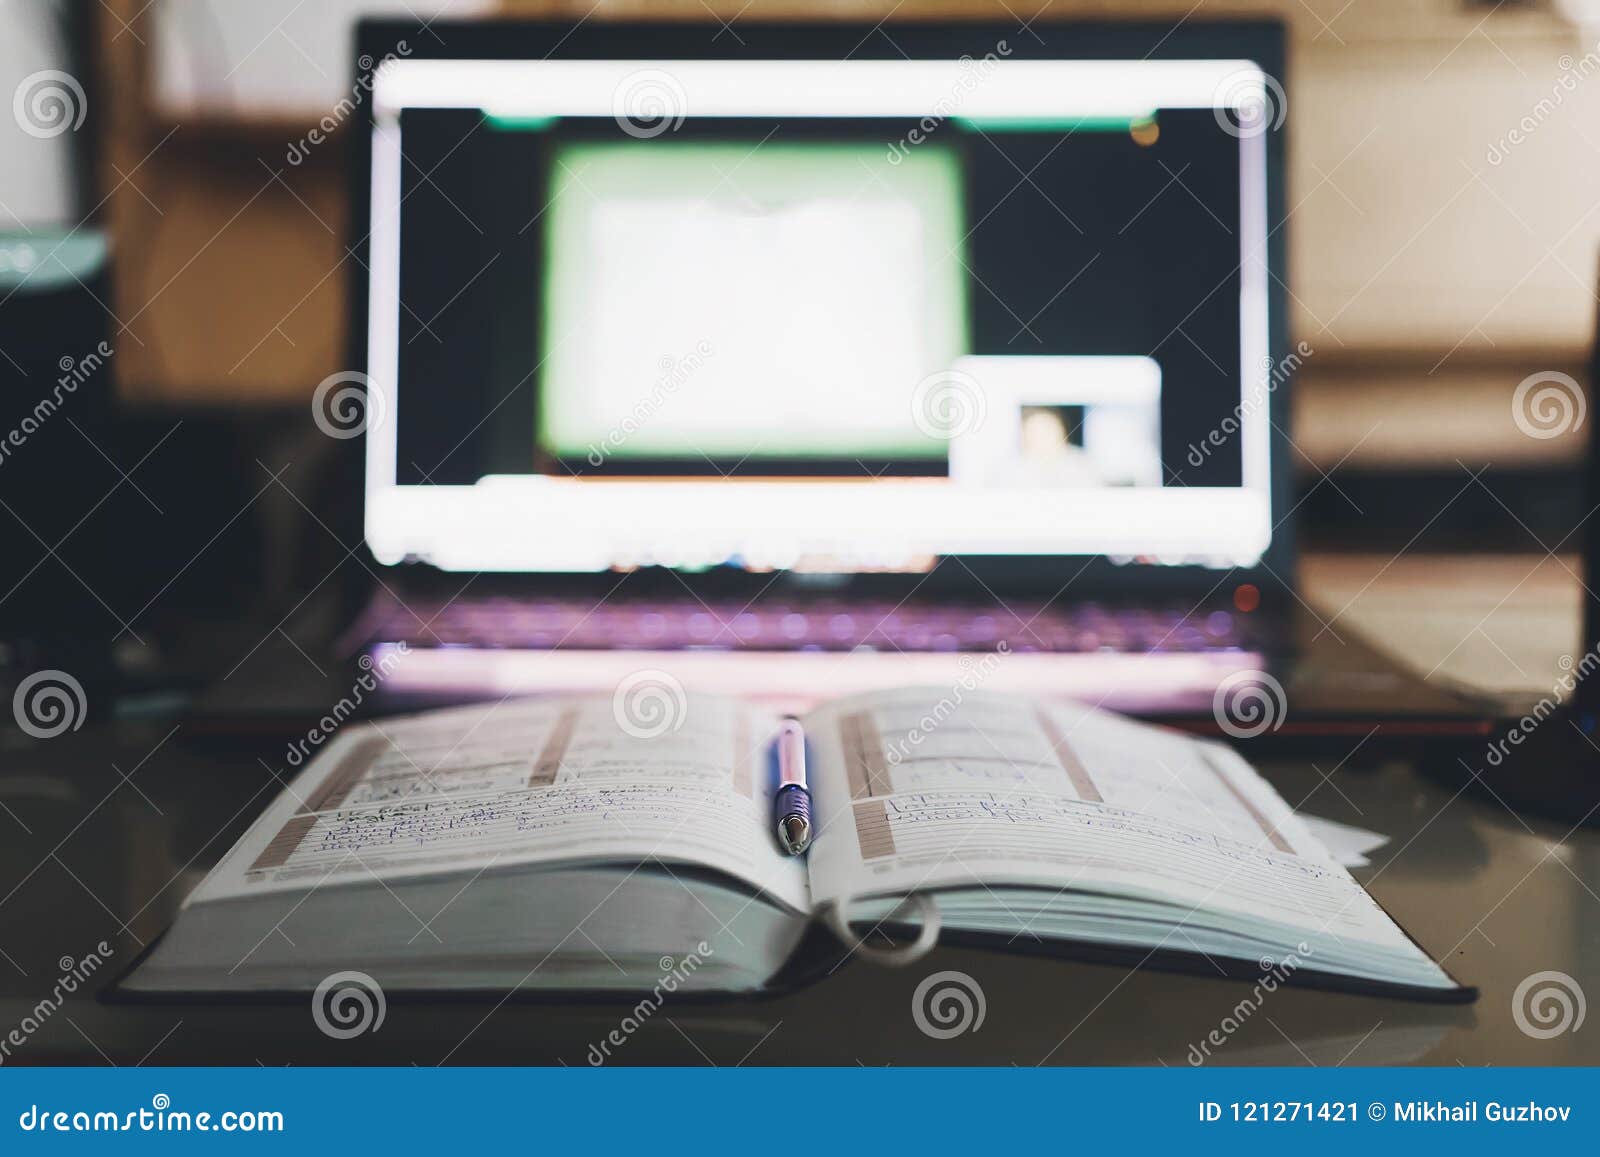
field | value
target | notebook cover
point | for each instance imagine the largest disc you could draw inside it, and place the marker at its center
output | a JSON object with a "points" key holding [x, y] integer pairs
{"points": [[818, 955], [1198, 964], [1193, 963]]}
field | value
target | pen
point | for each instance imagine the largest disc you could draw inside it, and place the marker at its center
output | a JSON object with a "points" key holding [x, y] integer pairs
{"points": [[791, 807]]}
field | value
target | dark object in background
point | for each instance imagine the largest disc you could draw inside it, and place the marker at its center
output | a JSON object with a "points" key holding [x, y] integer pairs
{"points": [[1548, 760], [115, 518], [56, 362]]}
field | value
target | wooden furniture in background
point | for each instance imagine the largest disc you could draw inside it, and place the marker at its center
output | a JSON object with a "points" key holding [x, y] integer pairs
{"points": [[1416, 227], [230, 262]]}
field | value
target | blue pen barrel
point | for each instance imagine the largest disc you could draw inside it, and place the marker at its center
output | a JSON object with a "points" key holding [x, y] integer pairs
{"points": [[792, 800], [791, 806]]}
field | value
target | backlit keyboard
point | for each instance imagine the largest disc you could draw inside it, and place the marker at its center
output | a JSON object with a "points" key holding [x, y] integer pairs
{"points": [[499, 623]]}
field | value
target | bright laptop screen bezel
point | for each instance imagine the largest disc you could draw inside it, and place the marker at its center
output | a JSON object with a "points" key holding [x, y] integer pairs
{"points": [[856, 525]]}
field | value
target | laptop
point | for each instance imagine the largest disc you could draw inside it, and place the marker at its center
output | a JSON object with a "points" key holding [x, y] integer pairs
{"points": [[795, 360]]}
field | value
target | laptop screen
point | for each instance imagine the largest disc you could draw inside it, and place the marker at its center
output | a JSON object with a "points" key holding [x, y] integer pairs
{"points": [[786, 309], [818, 315]]}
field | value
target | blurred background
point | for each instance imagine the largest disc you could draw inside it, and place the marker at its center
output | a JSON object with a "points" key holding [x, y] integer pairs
{"points": [[1444, 164], [176, 268]]}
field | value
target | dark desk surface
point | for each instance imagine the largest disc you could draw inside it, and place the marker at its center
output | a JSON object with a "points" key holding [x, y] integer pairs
{"points": [[102, 833]]}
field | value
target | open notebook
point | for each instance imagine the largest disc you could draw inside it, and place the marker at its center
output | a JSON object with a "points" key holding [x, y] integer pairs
{"points": [[563, 844]]}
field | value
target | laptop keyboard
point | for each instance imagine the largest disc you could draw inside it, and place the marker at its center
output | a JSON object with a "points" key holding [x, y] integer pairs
{"points": [[500, 623]]}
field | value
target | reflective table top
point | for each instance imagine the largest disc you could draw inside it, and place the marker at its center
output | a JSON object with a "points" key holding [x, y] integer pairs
{"points": [[104, 831]]}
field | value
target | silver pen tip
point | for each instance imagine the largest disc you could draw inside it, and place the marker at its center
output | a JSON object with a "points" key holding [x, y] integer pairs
{"points": [[796, 834]]}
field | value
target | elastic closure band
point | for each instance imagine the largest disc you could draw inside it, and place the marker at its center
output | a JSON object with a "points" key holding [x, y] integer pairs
{"points": [[836, 917]]}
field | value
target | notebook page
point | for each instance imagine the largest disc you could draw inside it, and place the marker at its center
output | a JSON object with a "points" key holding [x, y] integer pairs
{"points": [[527, 782], [925, 789]]}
